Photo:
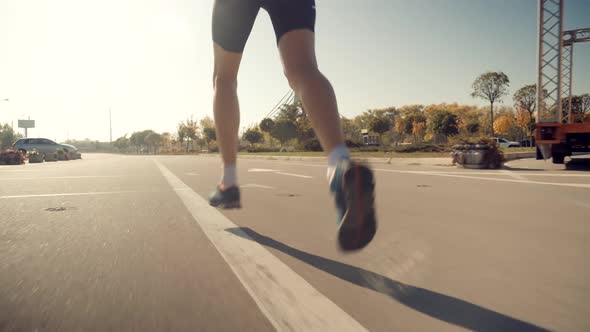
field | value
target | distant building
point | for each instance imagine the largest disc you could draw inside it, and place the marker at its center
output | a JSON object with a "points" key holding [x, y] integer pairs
{"points": [[370, 139]]}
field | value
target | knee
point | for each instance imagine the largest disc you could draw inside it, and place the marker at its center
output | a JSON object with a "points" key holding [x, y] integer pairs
{"points": [[225, 82], [299, 75]]}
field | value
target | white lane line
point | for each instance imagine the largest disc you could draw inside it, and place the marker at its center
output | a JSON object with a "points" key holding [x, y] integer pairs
{"points": [[467, 172], [577, 185], [514, 175], [295, 175], [67, 177], [289, 302], [259, 170], [460, 175], [70, 194], [253, 185], [503, 172], [25, 170], [266, 170]]}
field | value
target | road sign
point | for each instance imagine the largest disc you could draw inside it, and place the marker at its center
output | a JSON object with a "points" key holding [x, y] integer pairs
{"points": [[26, 124]]}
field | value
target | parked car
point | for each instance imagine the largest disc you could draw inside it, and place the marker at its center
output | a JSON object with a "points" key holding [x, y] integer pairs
{"points": [[527, 142], [504, 143], [42, 145], [69, 148]]}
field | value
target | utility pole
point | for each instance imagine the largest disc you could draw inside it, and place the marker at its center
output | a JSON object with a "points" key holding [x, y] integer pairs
{"points": [[110, 127]]}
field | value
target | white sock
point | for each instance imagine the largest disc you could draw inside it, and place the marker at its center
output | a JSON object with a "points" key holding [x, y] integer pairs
{"points": [[230, 176], [339, 153]]}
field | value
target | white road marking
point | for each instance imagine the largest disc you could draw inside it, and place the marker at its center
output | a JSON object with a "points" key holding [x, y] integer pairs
{"points": [[192, 174], [253, 185], [502, 172], [465, 175], [289, 302], [295, 175], [258, 170], [67, 177], [577, 185], [514, 175], [69, 194]]}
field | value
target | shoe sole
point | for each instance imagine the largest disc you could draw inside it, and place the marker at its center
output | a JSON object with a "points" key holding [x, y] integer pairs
{"points": [[228, 206], [359, 224]]}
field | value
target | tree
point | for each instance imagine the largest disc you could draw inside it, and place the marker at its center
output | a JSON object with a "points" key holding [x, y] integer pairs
{"points": [[418, 130], [210, 135], [584, 108], [267, 125], [207, 122], [472, 127], [525, 99], [7, 136], [167, 140], [351, 131], [580, 106], [191, 129], [153, 140], [253, 135], [585, 103], [525, 102], [444, 123], [284, 130], [137, 139], [491, 86], [122, 143], [400, 127], [182, 134], [503, 124], [415, 117], [380, 126], [290, 112], [525, 122]]}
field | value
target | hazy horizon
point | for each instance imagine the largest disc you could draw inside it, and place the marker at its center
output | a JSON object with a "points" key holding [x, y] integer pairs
{"points": [[65, 63]]}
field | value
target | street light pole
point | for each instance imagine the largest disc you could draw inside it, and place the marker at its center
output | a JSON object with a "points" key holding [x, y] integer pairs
{"points": [[110, 127]]}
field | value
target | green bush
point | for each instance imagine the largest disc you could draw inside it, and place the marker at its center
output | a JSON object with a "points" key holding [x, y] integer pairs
{"points": [[352, 144], [261, 149], [368, 149], [11, 157], [421, 148], [312, 145]]}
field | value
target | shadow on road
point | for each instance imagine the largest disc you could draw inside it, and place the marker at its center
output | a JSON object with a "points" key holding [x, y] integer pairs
{"points": [[578, 164], [446, 308], [520, 169]]}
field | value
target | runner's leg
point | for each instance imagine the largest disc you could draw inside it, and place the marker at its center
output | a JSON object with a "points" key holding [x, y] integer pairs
{"points": [[351, 183], [232, 23], [294, 24]]}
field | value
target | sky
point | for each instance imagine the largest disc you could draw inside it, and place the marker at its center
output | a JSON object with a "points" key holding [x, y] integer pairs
{"points": [[65, 63]]}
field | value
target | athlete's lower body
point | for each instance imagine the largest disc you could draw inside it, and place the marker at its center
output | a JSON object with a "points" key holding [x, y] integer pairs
{"points": [[351, 183]]}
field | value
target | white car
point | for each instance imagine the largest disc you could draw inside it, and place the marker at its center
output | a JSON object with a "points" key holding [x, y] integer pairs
{"points": [[503, 143]]}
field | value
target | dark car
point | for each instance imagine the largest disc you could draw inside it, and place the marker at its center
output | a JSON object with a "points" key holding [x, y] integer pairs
{"points": [[41, 145]]}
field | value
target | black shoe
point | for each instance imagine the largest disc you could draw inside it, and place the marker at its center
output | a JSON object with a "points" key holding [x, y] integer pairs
{"points": [[227, 198], [353, 187]]}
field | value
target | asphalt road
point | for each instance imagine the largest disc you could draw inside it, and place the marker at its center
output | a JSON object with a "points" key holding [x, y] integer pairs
{"points": [[128, 243]]}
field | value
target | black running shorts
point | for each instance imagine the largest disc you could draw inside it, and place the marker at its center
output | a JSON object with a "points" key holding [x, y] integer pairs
{"points": [[233, 19]]}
